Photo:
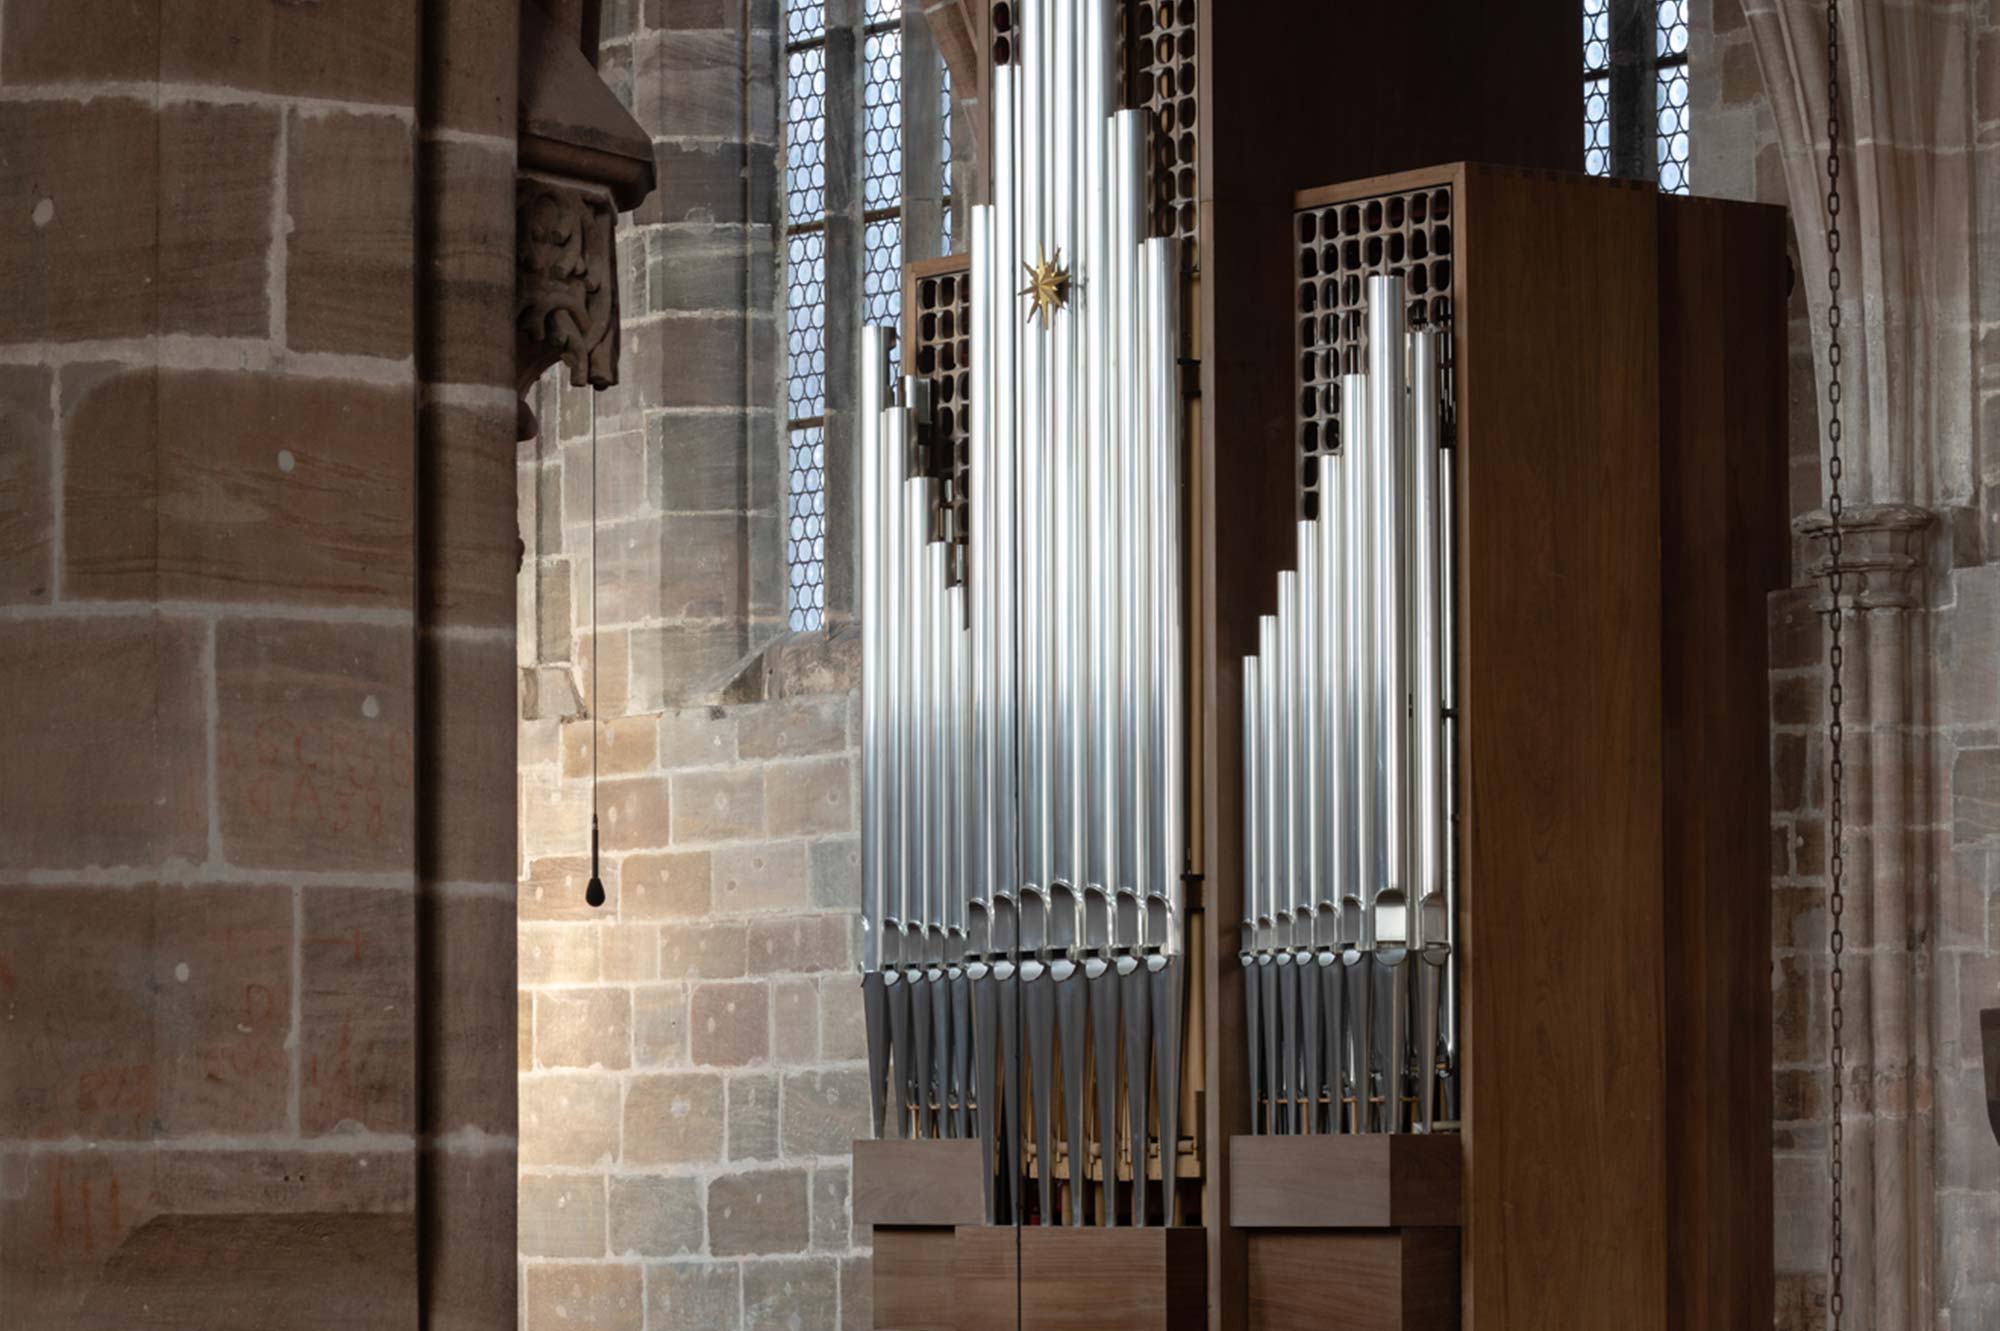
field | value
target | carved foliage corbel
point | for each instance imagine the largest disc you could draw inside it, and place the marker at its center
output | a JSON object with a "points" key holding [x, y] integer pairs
{"points": [[566, 281]]}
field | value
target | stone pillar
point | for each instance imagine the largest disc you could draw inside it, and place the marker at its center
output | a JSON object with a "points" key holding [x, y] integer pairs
{"points": [[465, 753], [221, 1100], [1889, 960], [1912, 287], [1633, 28]]}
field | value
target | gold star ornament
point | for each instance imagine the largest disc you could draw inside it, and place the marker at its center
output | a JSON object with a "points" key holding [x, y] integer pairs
{"points": [[1048, 285]]}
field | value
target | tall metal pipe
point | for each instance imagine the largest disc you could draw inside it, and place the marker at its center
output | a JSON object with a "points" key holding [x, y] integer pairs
{"points": [[1033, 510], [1307, 733], [907, 847], [996, 383], [1358, 784], [1389, 457], [1448, 740], [980, 581], [1273, 859], [1128, 130], [941, 706], [1164, 418], [1270, 783], [1061, 468], [921, 792], [1097, 262], [1430, 935], [874, 685], [1285, 736], [1332, 671], [1253, 876]]}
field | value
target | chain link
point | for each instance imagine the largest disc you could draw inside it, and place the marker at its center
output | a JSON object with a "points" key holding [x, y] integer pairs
{"points": [[1836, 768]]}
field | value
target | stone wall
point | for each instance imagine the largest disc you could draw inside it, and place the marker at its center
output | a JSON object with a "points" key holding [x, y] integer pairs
{"points": [[691, 1058], [254, 524], [1923, 711]]}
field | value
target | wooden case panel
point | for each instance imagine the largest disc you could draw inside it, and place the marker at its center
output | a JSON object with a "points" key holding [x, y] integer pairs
{"points": [[1360, 1280], [915, 1279], [1559, 674], [1723, 426], [1373, 1181], [1085, 1279], [909, 1182]]}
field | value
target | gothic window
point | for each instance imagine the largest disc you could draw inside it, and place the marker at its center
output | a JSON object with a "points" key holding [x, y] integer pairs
{"points": [[805, 164], [1635, 91], [839, 264]]}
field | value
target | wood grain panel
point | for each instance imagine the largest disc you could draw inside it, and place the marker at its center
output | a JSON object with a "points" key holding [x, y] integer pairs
{"points": [[1722, 277], [914, 1270], [987, 1279], [1387, 1280], [917, 1183], [1344, 1182], [1092, 1279], [1560, 669]]}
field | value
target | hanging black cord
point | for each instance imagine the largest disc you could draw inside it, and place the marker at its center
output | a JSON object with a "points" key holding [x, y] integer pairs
{"points": [[595, 892]]}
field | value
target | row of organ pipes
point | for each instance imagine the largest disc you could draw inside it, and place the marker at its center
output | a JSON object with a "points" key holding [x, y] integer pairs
{"points": [[1350, 904], [1022, 749]]}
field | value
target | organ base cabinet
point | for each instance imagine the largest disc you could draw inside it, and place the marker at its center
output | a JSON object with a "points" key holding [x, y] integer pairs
{"points": [[1403, 1279], [938, 1267]]}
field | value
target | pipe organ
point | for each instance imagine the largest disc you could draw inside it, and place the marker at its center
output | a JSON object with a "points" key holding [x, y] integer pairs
{"points": [[1303, 885], [1348, 905], [1023, 768]]}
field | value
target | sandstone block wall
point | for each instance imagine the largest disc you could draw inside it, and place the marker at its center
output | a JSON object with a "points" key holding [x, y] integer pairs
{"points": [[691, 1056], [255, 527]]}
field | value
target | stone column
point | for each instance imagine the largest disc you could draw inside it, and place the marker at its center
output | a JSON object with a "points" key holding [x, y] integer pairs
{"points": [[1910, 269], [1888, 886]]}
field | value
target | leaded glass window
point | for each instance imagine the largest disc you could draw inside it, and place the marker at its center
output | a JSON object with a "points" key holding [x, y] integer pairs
{"points": [[825, 76], [1635, 91]]}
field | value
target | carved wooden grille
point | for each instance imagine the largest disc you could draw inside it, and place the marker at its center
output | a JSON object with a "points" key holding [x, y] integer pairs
{"points": [[1338, 248], [1161, 46], [939, 351]]}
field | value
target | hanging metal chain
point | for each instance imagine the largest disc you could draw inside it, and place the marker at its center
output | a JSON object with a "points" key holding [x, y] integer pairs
{"points": [[1836, 770]]}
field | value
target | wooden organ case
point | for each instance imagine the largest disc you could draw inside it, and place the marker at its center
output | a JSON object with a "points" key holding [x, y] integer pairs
{"points": [[1610, 370]]}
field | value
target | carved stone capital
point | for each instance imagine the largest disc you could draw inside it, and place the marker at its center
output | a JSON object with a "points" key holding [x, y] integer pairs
{"points": [[565, 281], [1884, 554]]}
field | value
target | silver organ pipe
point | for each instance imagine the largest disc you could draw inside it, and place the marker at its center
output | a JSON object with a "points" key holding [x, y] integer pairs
{"points": [[919, 796], [1253, 876], [1350, 925], [1308, 732], [1271, 857], [876, 700], [1024, 790], [1389, 529], [1282, 676]]}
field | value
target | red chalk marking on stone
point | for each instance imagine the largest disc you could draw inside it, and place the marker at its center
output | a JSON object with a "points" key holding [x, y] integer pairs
{"points": [[55, 1203], [340, 941]]}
